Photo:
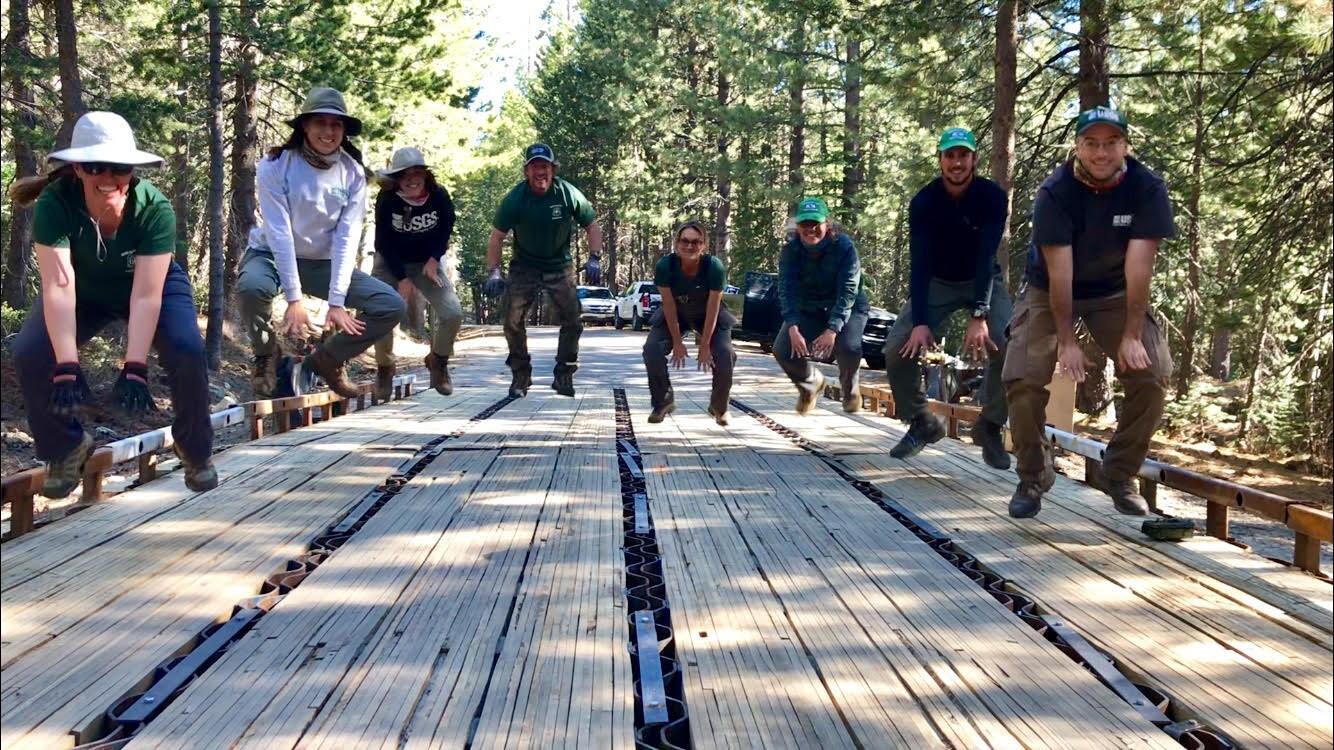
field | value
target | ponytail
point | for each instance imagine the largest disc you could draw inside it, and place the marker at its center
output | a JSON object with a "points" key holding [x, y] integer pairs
{"points": [[25, 190]]}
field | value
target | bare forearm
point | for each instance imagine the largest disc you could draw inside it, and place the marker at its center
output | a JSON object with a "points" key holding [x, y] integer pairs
{"points": [[143, 324], [711, 319], [493, 250], [1060, 278], [1139, 271], [669, 314], [58, 309]]}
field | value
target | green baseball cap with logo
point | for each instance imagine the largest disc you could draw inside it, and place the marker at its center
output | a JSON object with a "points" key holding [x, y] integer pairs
{"points": [[811, 209], [1100, 116], [957, 137]]}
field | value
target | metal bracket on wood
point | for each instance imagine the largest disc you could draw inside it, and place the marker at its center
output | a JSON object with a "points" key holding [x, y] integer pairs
{"points": [[651, 689]]}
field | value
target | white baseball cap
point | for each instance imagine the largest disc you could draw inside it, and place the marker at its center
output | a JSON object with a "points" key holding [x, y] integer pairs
{"points": [[104, 137], [404, 158]]}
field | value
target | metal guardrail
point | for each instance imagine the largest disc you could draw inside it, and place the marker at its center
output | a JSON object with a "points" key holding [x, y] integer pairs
{"points": [[19, 490], [1310, 525]]}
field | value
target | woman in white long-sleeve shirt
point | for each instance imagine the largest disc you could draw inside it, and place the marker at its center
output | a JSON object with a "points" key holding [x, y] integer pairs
{"points": [[312, 200]]}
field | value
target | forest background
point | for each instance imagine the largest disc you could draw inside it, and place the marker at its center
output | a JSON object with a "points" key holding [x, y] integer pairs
{"points": [[727, 111]]}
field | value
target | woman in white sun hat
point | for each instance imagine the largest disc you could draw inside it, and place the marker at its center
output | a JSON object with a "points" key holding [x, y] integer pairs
{"points": [[414, 218], [104, 239], [312, 200]]}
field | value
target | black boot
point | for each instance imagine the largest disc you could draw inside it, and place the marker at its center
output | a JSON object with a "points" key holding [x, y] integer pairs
{"points": [[563, 383], [1026, 501], [924, 430], [660, 413], [987, 436], [520, 383]]}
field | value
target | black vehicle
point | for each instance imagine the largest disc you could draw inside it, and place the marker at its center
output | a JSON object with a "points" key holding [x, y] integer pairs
{"points": [[761, 318]]}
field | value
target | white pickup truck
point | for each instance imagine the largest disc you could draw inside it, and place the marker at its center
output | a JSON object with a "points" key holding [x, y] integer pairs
{"points": [[637, 304]]}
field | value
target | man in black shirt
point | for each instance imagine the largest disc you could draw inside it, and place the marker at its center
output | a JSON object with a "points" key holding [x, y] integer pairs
{"points": [[1097, 222], [955, 225]]}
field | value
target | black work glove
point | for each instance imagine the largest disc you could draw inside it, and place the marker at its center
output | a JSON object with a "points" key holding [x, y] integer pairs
{"points": [[68, 389], [495, 285], [132, 389]]}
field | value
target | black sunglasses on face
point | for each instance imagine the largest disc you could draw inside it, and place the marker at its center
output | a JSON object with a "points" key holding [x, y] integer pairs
{"points": [[96, 168]]}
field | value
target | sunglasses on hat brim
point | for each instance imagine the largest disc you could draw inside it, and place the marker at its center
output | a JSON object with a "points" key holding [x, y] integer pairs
{"points": [[98, 167]]}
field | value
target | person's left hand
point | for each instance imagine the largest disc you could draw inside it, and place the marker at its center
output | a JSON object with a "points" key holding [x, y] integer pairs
{"points": [[823, 344], [342, 320], [405, 290], [1131, 355], [977, 341], [705, 358], [432, 271], [131, 390]]}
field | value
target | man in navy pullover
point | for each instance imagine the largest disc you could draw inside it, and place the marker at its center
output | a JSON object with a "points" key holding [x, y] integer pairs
{"points": [[955, 225]]}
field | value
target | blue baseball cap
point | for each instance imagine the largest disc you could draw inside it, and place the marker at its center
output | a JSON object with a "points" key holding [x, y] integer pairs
{"points": [[538, 151]]}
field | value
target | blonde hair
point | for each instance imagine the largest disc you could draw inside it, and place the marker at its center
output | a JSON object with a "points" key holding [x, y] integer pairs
{"points": [[25, 190]]}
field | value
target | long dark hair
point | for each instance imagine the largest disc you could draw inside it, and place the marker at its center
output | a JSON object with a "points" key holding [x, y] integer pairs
{"points": [[25, 190], [298, 137]]}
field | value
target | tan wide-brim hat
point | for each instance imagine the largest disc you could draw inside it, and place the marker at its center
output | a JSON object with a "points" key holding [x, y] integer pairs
{"points": [[103, 137], [403, 159], [323, 100]]}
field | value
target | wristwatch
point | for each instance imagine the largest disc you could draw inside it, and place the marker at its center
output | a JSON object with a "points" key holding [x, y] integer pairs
{"points": [[980, 312]]}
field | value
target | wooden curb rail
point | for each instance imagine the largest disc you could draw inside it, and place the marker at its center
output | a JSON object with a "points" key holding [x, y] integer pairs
{"points": [[20, 488], [1310, 525]]}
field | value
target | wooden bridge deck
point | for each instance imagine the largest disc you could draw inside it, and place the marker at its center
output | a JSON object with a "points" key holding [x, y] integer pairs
{"points": [[485, 605]]}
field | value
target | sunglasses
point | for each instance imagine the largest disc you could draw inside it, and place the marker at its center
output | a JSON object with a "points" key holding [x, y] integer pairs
{"points": [[96, 168]]}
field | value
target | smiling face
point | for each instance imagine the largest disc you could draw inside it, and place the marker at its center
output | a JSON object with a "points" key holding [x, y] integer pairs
{"points": [[1102, 149], [539, 173], [412, 181], [324, 133], [812, 232], [690, 244], [106, 189], [956, 166]]}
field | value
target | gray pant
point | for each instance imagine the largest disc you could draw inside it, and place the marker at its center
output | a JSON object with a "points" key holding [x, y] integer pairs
{"points": [[446, 312], [847, 347], [658, 346], [378, 306], [943, 298]]}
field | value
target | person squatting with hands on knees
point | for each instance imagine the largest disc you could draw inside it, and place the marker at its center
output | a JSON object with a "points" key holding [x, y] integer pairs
{"points": [[1097, 222], [312, 199], [691, 283], [104, 240], [955, 226], [823, 305], [542, 211], [414, 218]]}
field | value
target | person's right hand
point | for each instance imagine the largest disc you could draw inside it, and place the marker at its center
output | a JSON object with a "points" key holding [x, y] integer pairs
{"points": [[296, 323], [68, 389], [405, 288], [799, 349], [1072, 361], [678, 354], [919, 342]]}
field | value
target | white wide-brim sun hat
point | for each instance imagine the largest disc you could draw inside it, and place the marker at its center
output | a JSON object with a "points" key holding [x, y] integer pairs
{"points": [[104, 137], [403, 159]]}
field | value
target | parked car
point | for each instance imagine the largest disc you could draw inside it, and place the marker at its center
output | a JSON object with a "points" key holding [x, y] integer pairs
{"points": [[596, 304], [761, 319], [639, 301]]}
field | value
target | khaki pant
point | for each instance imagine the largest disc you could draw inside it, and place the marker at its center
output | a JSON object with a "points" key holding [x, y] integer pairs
{"points": [[1031, 359], [446, 314]]}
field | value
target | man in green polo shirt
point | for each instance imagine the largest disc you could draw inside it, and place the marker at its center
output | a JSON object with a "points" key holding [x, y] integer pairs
{"points": [[541, 211]]}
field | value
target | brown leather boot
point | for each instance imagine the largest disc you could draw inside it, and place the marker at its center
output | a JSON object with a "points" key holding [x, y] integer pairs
{"points": [[439, 367], [263, 375], [384, 382], [324, 365]]}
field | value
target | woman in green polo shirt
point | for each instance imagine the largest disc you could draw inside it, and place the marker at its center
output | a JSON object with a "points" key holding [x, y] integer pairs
{"points": [[691, 283], [104, 240]]}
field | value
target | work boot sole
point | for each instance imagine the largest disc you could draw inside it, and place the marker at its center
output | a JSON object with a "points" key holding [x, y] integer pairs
{"points": [[720, 417]]}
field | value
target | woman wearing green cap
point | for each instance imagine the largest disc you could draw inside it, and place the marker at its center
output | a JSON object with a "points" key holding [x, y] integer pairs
{"points": [[312, 199], [414, 218], [824, 308], [104, 240]]}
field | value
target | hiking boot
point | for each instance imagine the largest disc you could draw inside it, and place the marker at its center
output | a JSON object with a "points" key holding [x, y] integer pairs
{"points": [[384, 382], [439, 367], [563, 383], [323, 364], [720, 416], [199, 477], [65, 473], [1126, 497], [852, 403], [923, 431], [1026, 500], [263, 376], [808, 393], [987, 436], [520, 383], [660, 413]]}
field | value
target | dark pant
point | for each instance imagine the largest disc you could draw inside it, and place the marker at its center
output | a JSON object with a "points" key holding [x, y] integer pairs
{"points": [[180, 350], [942, 300], [377, 304], [1032, 358], [525, 284], [658, 346], [847, 347]]}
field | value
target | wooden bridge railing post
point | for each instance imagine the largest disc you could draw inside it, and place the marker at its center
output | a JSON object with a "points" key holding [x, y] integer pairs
{"points": [[147, 467], [1216, 520]]}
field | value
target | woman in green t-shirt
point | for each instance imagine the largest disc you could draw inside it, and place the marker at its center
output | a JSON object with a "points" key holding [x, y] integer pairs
{"points": [[104, 240], [691, 283]]}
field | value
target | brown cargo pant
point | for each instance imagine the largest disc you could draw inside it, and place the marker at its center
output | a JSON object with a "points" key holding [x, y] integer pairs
{"points": [[1031, 358]]}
